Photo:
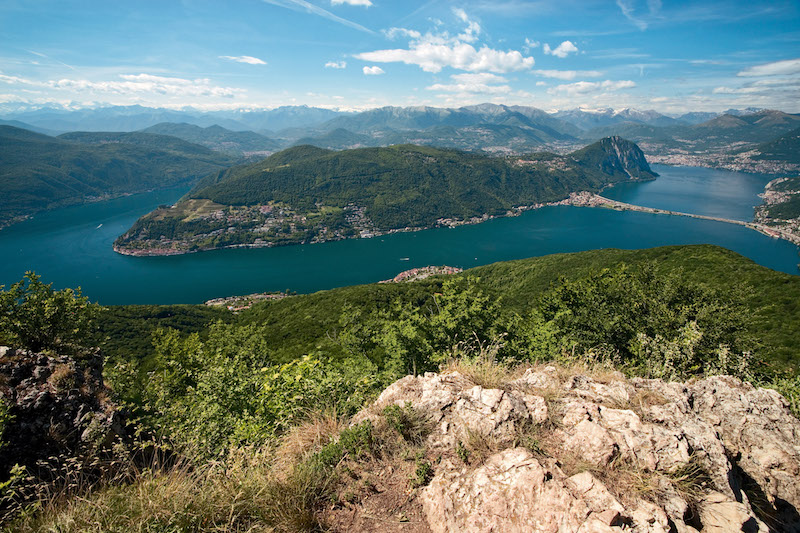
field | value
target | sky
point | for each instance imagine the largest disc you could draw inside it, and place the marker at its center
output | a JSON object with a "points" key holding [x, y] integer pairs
{"points": [[670, 56]]}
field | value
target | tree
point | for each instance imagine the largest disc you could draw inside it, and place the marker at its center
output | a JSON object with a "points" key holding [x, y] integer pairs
{"points": [[36, 317], [625, 312]]}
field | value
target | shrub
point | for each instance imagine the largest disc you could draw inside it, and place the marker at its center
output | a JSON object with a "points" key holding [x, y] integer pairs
{"points": [[36, 317], [411, 424], [5, 419], [423, 472], [645, 319]]}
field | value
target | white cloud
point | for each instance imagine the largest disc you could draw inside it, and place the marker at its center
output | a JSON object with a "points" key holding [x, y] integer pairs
{"points": [[250, 60], [433, 57], [434, 51], [740, 90], [480, 83], [541, 84], [568, 74], [16, 80], [394, 33], [336, 64], [765, 86], [562, 50], [777, 82], [473, 29], [777, 68], [365, 3], [372, 71], [147, 83], [585, 87], [530, 45], [626, 6], [707, 62]]}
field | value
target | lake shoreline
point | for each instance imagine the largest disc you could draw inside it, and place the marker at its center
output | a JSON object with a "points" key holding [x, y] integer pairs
{"points": [[440, 223], [73, 247]]}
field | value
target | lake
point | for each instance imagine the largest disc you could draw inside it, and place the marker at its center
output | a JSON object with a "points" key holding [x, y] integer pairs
{"points": [[72, 246]]}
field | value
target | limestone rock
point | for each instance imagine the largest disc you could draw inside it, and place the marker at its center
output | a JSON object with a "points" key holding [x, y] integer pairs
{"points": [[612, 454]]}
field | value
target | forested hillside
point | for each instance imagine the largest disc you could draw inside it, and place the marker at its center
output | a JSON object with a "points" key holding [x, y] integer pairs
{"points": [[218, 138], [40, 172], [308, 194]]}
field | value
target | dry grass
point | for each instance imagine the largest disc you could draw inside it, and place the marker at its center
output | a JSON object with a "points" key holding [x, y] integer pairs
{"points": [[240, 493], [690, 480], [480, 447], [478, 363], [306, 439], [411, 424], [485, 372], [645, 398], [62, 378]]}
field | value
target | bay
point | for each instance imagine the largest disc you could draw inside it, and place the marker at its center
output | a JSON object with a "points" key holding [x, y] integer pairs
{"points": [[72, 246], [700, 191]]}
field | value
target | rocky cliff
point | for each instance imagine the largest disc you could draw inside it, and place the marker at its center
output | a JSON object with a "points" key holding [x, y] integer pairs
{"points": [[615, 155], [557, 451], [60, 413]]}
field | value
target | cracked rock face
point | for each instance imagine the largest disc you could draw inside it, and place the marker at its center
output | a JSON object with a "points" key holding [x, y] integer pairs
{"points": [[612, 455], [59, 407]]}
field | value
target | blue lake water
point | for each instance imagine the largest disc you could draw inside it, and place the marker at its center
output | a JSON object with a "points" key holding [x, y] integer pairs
{"points": [[700, 191], [72, 246]]}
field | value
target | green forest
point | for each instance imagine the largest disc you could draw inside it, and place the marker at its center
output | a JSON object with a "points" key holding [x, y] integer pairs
{"points": [[42, 172], [328, 195], [409, 185]]}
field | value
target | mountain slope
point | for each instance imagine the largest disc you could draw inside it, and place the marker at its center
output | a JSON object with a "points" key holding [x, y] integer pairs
{"points": [[29, 127], [587, 120], [217, 138], [784, 148], [308, 194], [38, 172]]}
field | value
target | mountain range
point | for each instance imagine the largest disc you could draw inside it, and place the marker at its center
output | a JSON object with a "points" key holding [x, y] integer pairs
{"points": [[135, 117], [83, 165], [130, 118]]}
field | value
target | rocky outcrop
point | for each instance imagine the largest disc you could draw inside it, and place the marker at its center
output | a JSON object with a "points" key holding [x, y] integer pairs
{"points": [[576, 453], [615, 155], [59, 408]]}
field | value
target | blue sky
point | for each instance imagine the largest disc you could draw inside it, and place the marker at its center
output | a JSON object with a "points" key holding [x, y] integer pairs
{"points": [[357, 54]]}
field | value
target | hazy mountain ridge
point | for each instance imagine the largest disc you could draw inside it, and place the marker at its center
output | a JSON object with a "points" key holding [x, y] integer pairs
{"points": [[489, 127], [135, 117], [589, 119], [218, 138]]}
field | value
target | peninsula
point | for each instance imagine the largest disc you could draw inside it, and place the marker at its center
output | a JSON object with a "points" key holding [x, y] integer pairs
{"points": [[311, 195], [588, 199]]}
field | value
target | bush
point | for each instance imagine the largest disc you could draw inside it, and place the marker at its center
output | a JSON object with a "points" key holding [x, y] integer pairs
{"points": [[36, 317], [5, 419], [644, 320], [411, 339], [292, 390]]}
